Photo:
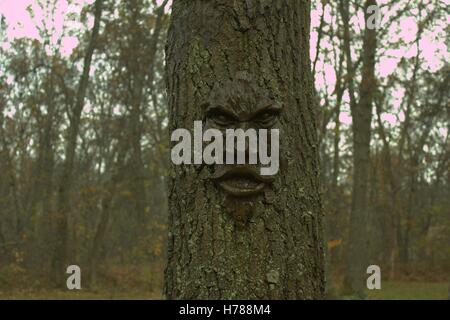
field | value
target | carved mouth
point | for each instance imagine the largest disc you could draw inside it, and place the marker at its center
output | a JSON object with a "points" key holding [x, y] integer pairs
{"points": [[241, 181]]}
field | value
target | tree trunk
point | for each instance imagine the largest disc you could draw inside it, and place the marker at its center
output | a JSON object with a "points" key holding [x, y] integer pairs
{"points": [[362, 117], [268, 246], [63, 206], [115, 166]]}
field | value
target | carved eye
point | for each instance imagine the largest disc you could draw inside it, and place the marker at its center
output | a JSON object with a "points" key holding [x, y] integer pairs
{"points": [[221, 118], [267, 118]]}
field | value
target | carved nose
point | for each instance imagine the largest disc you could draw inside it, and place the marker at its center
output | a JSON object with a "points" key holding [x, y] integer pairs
{"points": [[248, 152], [244, 125]]}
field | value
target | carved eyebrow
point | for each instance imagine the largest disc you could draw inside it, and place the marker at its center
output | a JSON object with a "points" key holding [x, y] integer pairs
{"points": [[274, 108], [221, 109]]}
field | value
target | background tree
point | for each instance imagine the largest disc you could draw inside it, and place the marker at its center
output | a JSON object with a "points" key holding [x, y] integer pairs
{"points": [[362, 117]]}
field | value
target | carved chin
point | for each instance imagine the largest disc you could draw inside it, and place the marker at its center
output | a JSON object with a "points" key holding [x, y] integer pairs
{"points": [[242, 187]]}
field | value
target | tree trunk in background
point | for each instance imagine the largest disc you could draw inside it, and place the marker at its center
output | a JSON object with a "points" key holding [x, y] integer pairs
{"points": [[362, 117], [4, 186], [392, 212], [279, 253], [141, 76], [115, 166], [63, 206]]}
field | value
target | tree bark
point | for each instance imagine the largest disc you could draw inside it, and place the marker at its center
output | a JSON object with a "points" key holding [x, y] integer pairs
{"points": [[279, 254], [361, 128]]}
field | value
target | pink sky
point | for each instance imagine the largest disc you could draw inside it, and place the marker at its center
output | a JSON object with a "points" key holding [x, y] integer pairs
{"points": [[21, 24], [432, 46]]}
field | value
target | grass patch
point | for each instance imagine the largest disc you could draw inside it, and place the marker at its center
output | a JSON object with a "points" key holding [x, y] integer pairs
{"points": [[395, 290], [78, 295], [390, 290]]}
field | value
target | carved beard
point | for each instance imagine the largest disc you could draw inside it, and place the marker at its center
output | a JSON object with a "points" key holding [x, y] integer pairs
{"points": [[241, 210], [240, 200], [242, 185]]}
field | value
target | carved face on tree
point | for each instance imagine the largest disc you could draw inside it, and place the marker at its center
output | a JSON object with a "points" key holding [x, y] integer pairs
{"points": [[241, 104]]}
